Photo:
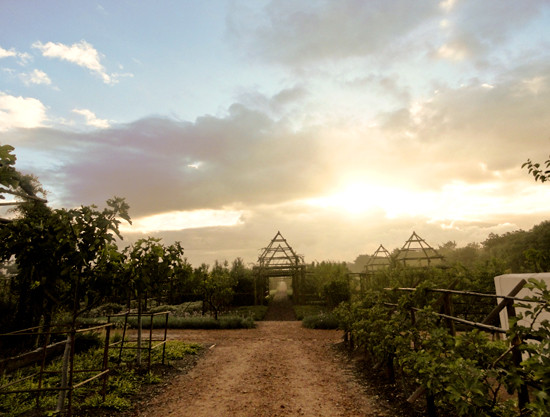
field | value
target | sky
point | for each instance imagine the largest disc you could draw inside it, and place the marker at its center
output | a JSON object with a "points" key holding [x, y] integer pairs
{"points": [[343, 124]]}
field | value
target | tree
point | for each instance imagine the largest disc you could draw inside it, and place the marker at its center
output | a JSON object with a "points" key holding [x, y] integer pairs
{"points": [[151, 267], [215, 287], [323, 273], [180, 275], [63, 257], [534, 168], [13, 182], [244, 283]]}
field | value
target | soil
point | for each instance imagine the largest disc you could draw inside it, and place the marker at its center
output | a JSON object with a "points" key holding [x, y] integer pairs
{"points": [[277, 369]]}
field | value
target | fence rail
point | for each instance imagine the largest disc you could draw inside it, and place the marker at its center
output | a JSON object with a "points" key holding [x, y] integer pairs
{"points": [[69, 387], [444, 309]]}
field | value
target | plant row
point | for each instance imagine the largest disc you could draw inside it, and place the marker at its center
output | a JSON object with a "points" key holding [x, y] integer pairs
{"points": [[468, 374]]}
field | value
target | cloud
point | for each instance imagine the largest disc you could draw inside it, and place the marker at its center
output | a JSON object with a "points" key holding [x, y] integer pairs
{"points": [[5, 53], [22, 57], [301, 33], [480, 29], [36, 77], [179, 220], [20, 112], [446, 165], [91, 119], [82, 54], [500, 126]]}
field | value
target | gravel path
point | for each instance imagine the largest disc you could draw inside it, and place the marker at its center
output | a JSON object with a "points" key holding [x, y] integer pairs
{"points": [[276, 369]]}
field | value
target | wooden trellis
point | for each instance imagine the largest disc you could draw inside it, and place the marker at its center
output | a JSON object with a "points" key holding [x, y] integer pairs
{"points": [[278, 259], [417, 253], [380, 259], [40, 355]]}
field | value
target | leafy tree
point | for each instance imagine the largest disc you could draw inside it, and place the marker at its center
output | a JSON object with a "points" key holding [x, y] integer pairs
{"points": [[244, 283], [322, 273], [62, 257], [151, 269], [13, 182], [180, 278], [336, 292], [541, 174], [215, 287]]}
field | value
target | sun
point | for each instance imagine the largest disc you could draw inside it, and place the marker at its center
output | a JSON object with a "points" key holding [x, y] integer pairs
{"points": [[358, 198]]}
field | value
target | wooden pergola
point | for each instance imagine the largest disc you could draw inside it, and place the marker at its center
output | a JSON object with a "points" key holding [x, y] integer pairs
{"points": [[417, 253], [279, 260], [380, 259]]}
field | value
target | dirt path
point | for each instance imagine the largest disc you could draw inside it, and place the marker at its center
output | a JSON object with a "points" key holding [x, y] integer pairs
{"points": [[277, 369]]}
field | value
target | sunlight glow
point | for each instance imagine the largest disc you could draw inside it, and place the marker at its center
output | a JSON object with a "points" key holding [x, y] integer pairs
{"points": [[179, 220], [457, 201]]}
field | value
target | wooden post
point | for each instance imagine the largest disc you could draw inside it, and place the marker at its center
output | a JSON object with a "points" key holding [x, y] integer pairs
{"points": [[150, 342], [71, 370], [493, 315], [431, 411], [105, 364], [523, 393], [448, 310], [165, 333]]}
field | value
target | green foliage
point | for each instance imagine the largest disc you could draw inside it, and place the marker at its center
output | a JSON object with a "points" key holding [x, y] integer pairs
{"points": [[321, 274], [215, 286], [336, 291], [112, 402], [325, 321], [533, 334], [222, 322], [65, 258], [540, 173], [467, 373], [13, 182], [302, 311], [122, 385], [243, 280], [257, 313]]}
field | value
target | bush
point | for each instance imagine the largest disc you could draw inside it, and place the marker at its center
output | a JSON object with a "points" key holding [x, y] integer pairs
{"points": [[257, 313], [105, 310], [302, 311], [325, 321], [224, 322], [180, 310]]}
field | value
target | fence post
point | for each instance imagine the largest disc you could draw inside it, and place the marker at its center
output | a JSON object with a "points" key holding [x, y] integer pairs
{"points": [[448, 310], [165, 333], [430, 405], [492, 316], [523, 393], [105, 365], [152, 316]]}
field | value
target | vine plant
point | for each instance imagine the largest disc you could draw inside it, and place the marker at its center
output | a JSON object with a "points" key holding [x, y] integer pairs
{"points": [[467, 374]]}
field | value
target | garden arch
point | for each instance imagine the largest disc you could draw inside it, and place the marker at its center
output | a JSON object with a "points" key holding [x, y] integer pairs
{"points": [[279, 260]]}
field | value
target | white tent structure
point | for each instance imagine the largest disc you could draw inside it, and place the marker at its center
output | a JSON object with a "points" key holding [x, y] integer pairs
{"points": [[507, 282]]}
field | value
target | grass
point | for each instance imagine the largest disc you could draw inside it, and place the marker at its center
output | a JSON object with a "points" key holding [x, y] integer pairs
{"points": [[123, 384]]}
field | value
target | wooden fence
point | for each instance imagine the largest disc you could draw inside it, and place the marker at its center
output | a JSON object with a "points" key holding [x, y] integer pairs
{"points": [[444, 309], [42, 354]]}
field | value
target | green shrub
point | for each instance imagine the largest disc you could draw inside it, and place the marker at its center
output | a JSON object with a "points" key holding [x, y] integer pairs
{"points": [[224, 322], [180, 310], [325, 321], [106, 309], [257, 313], [302, 311]]}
